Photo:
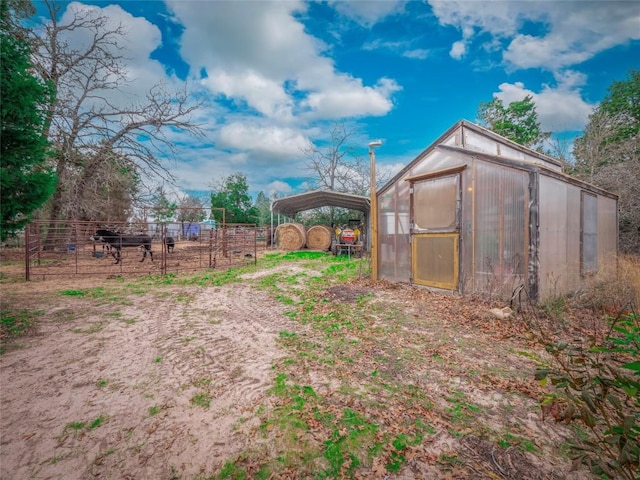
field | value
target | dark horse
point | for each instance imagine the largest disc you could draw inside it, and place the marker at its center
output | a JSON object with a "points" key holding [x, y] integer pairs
{"points": [[170, 243], [117, 241]]}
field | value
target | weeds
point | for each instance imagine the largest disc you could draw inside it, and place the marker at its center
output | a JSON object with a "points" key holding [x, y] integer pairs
{"points": [[201, 400], [16, 323]]}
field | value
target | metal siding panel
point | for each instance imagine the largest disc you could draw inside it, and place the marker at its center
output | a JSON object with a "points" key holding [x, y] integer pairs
{"points": [[386, 234], [607, 232], [553, 234], [574, 278], [466, 230], [589, 228], [402, 258], [500, 228]]}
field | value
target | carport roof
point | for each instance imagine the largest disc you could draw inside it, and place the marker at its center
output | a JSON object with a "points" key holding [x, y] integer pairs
{"points": [[289, 206]]}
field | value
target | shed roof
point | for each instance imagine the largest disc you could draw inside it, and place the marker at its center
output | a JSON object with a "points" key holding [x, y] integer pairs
{"points": [[289, 206]]}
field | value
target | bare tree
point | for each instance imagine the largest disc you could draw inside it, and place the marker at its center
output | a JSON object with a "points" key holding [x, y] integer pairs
{"points": [[190, 210], [83, 118], [336, 166]]}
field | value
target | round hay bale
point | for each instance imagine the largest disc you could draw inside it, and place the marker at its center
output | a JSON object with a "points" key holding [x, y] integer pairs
{"points": [[319, 237], [291, 236]]}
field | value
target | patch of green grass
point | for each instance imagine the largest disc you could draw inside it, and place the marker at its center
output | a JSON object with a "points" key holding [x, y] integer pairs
{"points": [[97, 292], [202, 382], [286, 300], [523, 444], [15, 323], [97, 422], [76, 426], [201, 400], [460, 411], [231, 471], [154, 410], [157, 360], [101, 383]]}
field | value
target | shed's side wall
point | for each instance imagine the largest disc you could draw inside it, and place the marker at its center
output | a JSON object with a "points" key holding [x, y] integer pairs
{"points": [[495, 249], [561, 231]]}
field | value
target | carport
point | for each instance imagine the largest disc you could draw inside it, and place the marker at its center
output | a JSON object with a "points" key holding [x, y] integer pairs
{"points": [[291, 206]]}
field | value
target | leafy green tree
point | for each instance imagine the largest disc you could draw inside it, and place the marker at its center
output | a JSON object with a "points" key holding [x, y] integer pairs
{"points": [[608, 155], [26, 182], [623, 102], [518, 121], [232, 194], [263, 207], [164, 210]]}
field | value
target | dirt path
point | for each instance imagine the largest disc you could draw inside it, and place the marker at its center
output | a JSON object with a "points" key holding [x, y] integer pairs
{"points": [[121, 391]]}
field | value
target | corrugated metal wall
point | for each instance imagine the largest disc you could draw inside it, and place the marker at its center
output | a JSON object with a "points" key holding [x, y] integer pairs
{"points": [[496, 257], [607, 232], [394, 254]]}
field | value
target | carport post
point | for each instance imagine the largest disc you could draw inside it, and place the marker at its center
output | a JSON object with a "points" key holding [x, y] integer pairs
{"points": [[373, 210]]}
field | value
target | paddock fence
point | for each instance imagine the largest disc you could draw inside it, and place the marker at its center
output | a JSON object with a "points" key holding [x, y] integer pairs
{"points": [[65, 248]]}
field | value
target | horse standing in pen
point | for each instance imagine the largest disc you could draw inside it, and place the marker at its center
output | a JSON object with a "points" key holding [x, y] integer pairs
{"points": [[117, 241]]}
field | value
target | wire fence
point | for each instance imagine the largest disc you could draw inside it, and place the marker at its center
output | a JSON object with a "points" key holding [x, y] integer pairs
{"points": [[64, 248]]}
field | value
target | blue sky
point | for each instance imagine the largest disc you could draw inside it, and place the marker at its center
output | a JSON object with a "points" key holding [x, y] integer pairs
{"points": [[278, 75]]}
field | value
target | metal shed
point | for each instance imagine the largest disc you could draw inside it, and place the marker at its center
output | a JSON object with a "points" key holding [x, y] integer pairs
{"points": [[476, 212]]}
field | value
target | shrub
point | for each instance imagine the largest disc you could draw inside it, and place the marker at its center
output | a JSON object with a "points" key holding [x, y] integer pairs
{"points": [[598, 384]]}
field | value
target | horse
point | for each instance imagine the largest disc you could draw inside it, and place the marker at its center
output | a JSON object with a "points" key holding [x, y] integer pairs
{"points": [[170, 243], [116, 241]]}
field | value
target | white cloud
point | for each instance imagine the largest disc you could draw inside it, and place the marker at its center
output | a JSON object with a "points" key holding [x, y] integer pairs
{"points": [[458, 49], [140, 38], [349, 98], [265, 95], [405, 48], [272, 142], [368, 12], [569, 32], [419, 53], [278, 187], [259, 53], [559, 109]]}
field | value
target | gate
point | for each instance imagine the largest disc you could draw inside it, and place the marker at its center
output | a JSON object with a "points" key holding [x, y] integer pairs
{"points": [[65, 248]]}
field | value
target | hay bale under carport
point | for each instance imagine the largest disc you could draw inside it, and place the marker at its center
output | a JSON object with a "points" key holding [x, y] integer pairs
{"points": [[291, 236], [319, 237]]}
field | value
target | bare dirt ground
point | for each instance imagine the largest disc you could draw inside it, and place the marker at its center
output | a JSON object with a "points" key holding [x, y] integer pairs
{"points": [[172, 382], [141, 369]]}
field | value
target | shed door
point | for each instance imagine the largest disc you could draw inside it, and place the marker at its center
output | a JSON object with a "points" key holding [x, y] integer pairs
{"points": [[435, 233]]}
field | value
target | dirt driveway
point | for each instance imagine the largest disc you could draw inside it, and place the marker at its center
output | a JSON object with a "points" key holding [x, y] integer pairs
{"points": [[122, 392], [135, 381]]}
